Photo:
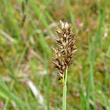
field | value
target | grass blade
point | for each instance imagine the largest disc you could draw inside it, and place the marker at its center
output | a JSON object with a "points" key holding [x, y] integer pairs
{"points": [[91, 78]]}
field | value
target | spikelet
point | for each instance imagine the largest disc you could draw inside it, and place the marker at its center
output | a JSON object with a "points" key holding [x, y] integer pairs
{"points": [[66, 48]]}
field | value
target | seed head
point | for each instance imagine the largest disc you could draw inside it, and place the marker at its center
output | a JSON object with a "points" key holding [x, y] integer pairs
{"points": [[66, 48]]}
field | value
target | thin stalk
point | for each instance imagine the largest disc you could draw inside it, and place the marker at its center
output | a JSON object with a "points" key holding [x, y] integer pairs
{"points": [[64, 91]]}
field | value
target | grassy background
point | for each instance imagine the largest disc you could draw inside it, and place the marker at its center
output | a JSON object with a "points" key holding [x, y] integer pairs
{"points": [[27, 32]]}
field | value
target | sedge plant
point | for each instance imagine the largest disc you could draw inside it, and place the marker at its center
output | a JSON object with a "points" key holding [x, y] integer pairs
{"points": [[63, 54]]}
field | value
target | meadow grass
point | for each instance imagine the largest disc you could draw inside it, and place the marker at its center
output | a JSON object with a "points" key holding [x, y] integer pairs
{"points": [[90, 82], [91, 75]]}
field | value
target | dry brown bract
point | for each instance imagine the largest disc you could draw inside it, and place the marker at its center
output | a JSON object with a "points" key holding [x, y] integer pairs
{"points": [[66, 49]]}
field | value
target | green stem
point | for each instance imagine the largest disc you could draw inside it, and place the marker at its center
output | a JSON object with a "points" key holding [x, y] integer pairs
{"points": [[64, 91]]}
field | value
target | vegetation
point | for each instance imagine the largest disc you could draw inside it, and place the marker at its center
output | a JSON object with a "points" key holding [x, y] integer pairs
{"points": [[28, 80]]}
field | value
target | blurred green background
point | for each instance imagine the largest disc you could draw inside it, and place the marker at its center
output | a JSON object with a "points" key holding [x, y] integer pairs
{"points": [[28, 80]]}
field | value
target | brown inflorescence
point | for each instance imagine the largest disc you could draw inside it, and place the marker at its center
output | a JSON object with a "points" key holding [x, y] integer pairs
{"points": [[66, 48]]}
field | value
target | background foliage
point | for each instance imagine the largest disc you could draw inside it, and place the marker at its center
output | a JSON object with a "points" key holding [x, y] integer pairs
{"points": [[28, 80]]}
